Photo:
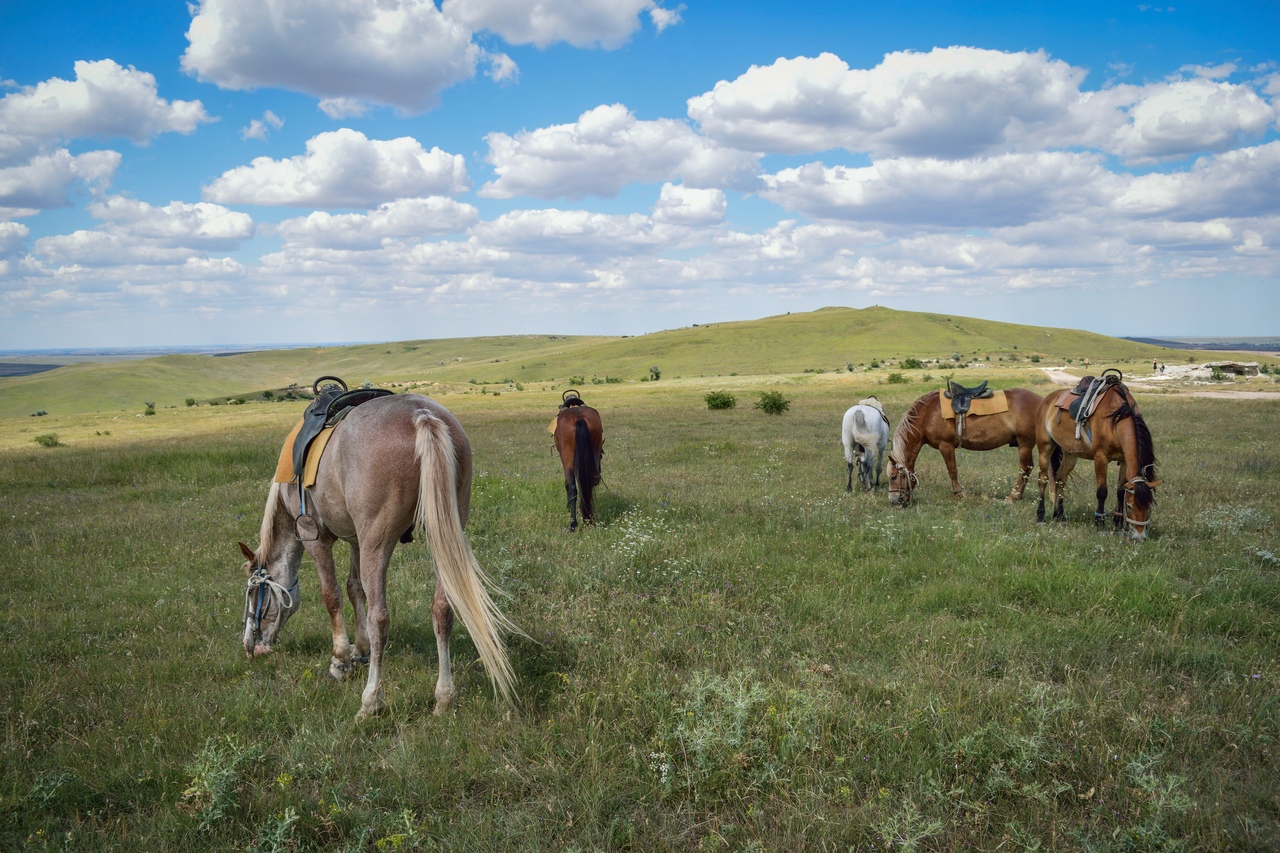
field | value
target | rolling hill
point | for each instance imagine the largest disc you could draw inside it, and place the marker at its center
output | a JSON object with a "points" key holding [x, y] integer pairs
{"points": [[826, 339]]}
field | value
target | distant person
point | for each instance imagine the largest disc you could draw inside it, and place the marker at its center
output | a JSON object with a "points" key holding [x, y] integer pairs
{"points": [[1154, 367], [1162, 370]]}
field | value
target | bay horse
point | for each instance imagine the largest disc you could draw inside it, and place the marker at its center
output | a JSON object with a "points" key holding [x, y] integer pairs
{"points": [[393, 465], [864, 433], [923, 424], [579, 439], [1113, 432]]}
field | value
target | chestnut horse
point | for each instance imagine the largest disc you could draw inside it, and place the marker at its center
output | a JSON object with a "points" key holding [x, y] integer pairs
{"points": [[579, 439], [923, 424], [394, 464], [1114, 432]]}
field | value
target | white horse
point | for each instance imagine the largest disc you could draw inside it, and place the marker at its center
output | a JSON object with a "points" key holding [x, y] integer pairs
{"points": [[865, 433]]}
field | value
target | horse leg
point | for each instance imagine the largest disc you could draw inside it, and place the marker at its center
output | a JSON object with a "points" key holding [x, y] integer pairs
{"points": [[1100, 474], [322, 554], [355, 592], [948, 452], [373, 574], [1024, 470], [442, 624], [1062, 469], [571, 491], [1118, 515], [849, 485]]}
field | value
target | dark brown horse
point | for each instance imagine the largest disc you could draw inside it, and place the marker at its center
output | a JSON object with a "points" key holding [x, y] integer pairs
{"points": [[924, 424], [1113, 432], [579, 439], [393, 464]]}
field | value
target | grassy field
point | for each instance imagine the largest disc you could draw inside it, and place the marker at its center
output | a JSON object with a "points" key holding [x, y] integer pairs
{"points": [[738, 656]]}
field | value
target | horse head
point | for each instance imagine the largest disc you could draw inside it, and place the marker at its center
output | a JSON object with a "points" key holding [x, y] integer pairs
{"points": [[901, 481], [270, 598], [1139, 497]]}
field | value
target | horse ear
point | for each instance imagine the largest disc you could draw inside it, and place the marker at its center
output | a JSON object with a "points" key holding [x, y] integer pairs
{"points": [[248, 555], [1153, 483]]}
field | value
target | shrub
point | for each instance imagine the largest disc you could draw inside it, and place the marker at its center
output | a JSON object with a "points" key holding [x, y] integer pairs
{"points": [[39, 413], [772, 403], [49, 439], [655, 373], [1035, 359], [875, 362], [150, 410], [191, 401], [912, 363], [720, 400], [577, 380], [897, 379], [1219, 375]]}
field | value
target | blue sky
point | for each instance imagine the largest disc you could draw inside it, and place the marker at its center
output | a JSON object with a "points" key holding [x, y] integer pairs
{"points": [[257, 171]]}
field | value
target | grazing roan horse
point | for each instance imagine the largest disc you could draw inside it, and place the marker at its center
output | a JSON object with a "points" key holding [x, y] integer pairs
{"points": [[394, 464], [864, 434], [1113, 432], [579, 439], [924, 424]]}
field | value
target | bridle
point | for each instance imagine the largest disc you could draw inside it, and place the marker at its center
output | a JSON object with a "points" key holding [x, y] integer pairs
{"points": [[912, 481], [261, 589], [1130, 490]]}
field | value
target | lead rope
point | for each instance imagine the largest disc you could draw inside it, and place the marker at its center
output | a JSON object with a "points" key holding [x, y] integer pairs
{"points": [[260, 586]]}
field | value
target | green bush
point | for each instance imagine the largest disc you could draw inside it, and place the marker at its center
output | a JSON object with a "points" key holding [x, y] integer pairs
{"points": [[912, 364], [1035, 359], [772, 403], [655, 373], [897, 379], [720, 400], [150, 410], [49, 439], [191, 401]]}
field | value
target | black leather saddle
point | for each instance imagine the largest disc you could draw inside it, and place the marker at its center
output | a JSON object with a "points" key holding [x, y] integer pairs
{"points": [[962, 397], [332, 403], [1089, 390], [571, 398]]}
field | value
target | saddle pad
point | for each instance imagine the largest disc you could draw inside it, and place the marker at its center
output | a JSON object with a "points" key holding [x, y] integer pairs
{"points": [[1066, 401], [993, 405], [284, 468], [551, 427]]}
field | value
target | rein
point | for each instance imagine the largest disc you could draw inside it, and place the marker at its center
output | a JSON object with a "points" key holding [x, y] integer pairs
{"points": [[261, 589]]}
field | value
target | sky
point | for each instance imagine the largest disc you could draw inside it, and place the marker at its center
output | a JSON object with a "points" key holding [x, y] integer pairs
{"points": [[293, 171]]}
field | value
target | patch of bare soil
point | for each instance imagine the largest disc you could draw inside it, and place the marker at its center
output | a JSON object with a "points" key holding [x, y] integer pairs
{"points": [[1196, 373]]}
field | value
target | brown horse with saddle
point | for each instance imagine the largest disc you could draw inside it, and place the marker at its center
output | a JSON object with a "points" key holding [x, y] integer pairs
{"points": [[972, 418], [1098, 420], [579, 439]]}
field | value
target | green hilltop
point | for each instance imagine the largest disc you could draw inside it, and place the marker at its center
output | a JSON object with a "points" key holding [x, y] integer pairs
{"points": [[826, 339]]}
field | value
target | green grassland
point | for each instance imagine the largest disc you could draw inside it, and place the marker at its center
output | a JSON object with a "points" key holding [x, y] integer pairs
{"points": [[829, 339], [738, 656]]}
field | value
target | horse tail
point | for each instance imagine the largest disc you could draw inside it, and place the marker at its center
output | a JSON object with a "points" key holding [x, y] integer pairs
{"points": [[585, 468], [464, 582]]}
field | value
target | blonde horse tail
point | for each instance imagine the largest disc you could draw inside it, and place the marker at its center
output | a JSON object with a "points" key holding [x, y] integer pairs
{"points": [[463, 580]]}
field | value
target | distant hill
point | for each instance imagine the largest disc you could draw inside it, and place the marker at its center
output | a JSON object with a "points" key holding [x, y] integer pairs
{"points": [[827, 339], [1214, 344]]}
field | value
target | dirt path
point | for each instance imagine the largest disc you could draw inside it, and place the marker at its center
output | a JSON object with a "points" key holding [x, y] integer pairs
{"points": [[1062, 377]]}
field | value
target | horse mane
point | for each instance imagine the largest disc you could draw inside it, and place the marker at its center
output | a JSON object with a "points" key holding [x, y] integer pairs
{"points": [[1142, 494], [909, 427], [267, 533]]}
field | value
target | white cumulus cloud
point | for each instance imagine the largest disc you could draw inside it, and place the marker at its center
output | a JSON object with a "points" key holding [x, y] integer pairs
{"points": [[403, 219], [581, 23], [105, 100], [344, 168], [400, 53], [950, 102], [681, 205], [45, 181], [606, 149]]}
